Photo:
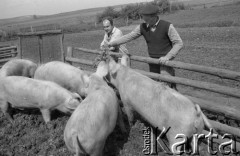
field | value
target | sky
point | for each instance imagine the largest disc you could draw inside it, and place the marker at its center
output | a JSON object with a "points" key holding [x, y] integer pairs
{"points": [[16, 8]]}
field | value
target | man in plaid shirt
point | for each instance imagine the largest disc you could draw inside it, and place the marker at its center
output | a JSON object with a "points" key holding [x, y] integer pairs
{"points": [[112, 33]]}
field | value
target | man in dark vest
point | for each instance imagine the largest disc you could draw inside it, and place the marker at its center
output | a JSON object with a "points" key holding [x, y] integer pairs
{"points": [[162, 39]]}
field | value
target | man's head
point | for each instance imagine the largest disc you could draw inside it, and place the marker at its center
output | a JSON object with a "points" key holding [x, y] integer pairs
{"points": [[149, 14], [108, 25]]}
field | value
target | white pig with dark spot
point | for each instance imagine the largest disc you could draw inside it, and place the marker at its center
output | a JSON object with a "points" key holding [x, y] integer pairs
{"points": [[63, 74], [18, 67], [92, 122], [22, 92]]}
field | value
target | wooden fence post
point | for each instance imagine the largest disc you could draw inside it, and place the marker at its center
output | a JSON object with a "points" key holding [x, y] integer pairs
{"points": [[61, 47], [69, 53], [129, 61], [13, 54], [19, 55], [40, 48]]}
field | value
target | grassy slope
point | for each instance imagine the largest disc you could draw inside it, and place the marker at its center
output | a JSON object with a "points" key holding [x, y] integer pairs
{"points": [[217, 16]]}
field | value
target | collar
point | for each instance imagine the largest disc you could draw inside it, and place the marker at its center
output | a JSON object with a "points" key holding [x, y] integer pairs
{"points": [[113, 30], [155, 25]]}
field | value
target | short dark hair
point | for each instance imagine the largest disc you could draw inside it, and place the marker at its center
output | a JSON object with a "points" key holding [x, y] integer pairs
{"points": [[110, 19]]}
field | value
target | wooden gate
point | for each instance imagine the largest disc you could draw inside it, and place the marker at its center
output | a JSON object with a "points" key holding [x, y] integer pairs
{"points": [[42, 46]]}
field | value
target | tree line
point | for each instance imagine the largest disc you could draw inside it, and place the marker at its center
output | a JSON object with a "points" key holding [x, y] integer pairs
{"points": [[131, 12]]}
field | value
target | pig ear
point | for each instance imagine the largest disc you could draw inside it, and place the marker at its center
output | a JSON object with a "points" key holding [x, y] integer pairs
{"points": [[86, 80], [113, 67], [77, 96], [72, 103], [125, 60], [102, 69], [32, 71]]}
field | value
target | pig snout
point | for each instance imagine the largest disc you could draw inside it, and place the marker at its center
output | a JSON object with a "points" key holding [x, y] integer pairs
{"points": [[70, 105]]}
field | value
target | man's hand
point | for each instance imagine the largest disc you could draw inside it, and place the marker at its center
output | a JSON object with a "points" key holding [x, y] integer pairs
{"points": [[164, 59], [104, 46], [111, 48]]}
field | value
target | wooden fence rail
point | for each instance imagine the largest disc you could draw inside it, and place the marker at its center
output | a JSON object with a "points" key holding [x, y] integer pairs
{"points": [[222, 73], [212, 106], [193, 83], [205, 104], [7, 53], [8, 48]]}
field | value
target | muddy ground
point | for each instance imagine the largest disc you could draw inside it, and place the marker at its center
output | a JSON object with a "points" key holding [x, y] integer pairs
{"points": [[29, 136]]}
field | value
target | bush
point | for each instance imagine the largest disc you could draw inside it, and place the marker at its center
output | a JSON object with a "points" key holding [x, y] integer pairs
{"points": [[8, 35], [108, 12], [131, 12], [178, 6], [164, 5]]}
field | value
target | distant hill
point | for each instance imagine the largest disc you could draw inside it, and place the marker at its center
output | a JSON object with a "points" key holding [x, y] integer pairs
{"points": [[15, 19], [77, 13], [93, 11], [213, 15]]}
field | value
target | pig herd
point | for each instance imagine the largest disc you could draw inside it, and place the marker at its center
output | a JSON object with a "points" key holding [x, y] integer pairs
{"points": [[93, 104]]}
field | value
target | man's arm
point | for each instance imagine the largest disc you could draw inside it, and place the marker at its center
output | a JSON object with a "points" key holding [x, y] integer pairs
{"points": [[177, 44], [176, 41], [126, 38]]}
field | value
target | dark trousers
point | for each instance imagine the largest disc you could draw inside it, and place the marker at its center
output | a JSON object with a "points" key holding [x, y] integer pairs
{"points": [[161, 69], [115, 58]]}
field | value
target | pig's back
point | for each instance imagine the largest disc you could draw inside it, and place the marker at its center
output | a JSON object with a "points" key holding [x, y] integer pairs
{"points": [[63, 74], [31, 88], [95, 110], [17, 67]]}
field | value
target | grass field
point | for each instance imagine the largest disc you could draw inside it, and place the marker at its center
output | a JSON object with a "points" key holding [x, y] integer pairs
{"points": [[84, 20], [204, 44]]}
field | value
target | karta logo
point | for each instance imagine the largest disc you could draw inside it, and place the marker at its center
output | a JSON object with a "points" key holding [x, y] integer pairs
{"points": [[226, 147]]}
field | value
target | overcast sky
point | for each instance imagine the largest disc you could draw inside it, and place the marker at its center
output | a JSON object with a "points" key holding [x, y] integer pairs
{"points": [[15, 8]]}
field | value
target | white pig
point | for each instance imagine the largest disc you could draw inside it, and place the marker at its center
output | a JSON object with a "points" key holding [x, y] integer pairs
{"points": [[23, 92], [91, 123], [18, 67], [63, 74], [160, 105]]}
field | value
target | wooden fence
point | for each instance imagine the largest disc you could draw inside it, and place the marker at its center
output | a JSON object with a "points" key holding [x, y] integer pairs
{"points": [[7, 53], [205, 104], [41, 46]]}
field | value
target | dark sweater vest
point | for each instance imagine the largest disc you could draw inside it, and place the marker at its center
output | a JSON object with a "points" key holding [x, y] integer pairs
{"points": [[158, 41]]}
